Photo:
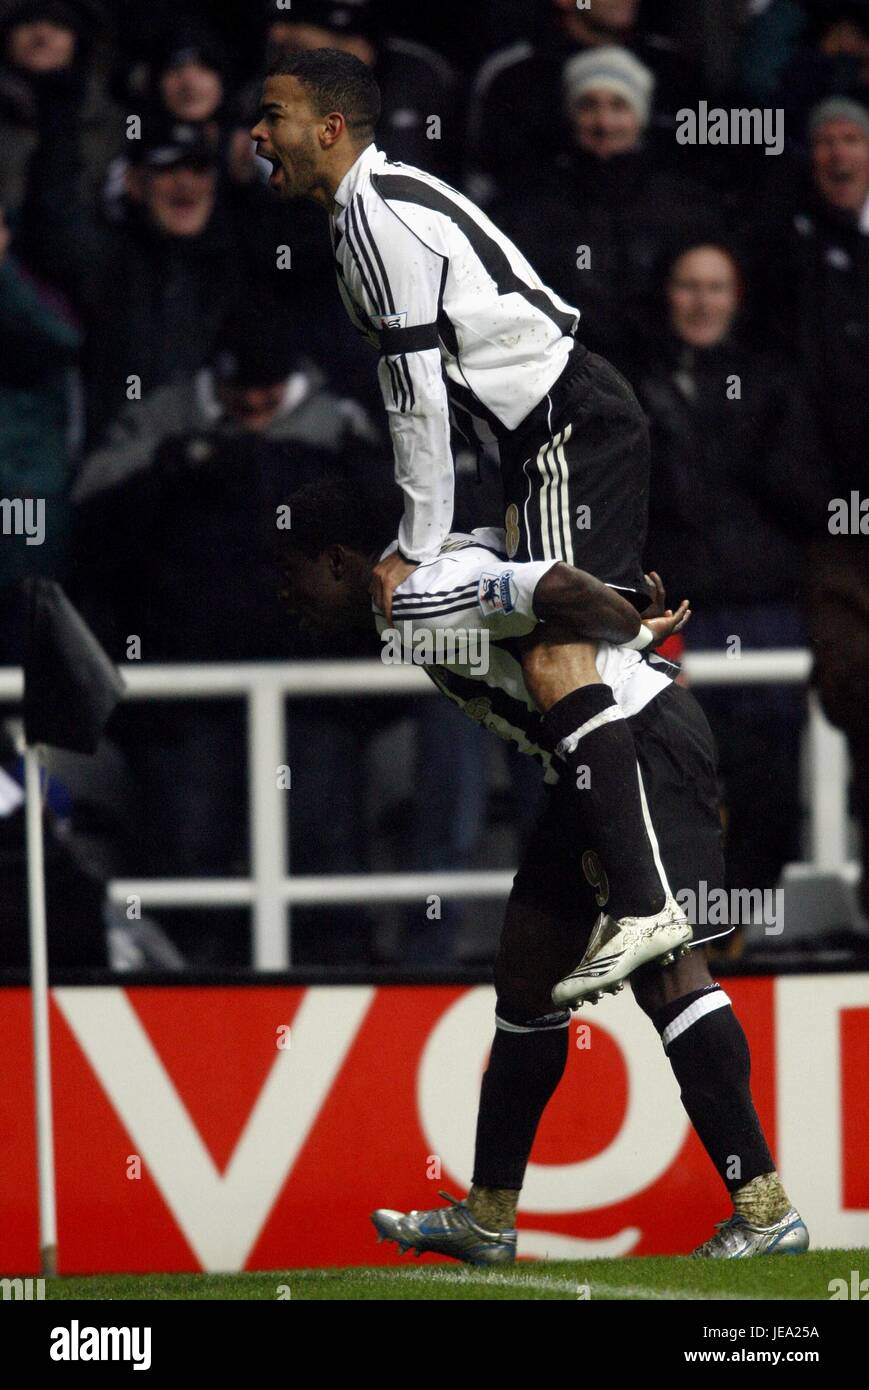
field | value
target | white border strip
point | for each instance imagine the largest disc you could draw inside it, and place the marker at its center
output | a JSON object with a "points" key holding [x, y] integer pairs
{"points": [[715, 999]]}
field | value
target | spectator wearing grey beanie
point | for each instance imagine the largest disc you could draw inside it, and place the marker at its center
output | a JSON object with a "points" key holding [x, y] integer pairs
{"points": [[596, 224], [608, 98], [839, 135], [516, 126]]}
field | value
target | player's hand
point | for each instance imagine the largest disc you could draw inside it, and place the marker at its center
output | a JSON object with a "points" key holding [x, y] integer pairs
{"points": [[661, 619], [668, 623], [386, 578], [658, 595]]}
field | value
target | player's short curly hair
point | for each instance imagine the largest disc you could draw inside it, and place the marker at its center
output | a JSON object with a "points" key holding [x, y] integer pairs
{"points": [[336, 511], [336, 81]]}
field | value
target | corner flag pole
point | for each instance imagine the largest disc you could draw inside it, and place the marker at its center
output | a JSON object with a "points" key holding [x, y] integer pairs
{"points": [[70, 691], [39, 996]]}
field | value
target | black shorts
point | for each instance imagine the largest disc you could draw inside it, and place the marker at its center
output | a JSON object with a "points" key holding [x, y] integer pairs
{"points": [[576, 474], [677, 758]]}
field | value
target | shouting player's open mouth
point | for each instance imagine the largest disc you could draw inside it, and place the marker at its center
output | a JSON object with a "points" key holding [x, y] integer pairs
{"points": [[278, 177]]}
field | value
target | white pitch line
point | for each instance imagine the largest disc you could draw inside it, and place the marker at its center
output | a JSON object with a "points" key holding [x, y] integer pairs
{"points": [[543, 1285], [670, 1295]]}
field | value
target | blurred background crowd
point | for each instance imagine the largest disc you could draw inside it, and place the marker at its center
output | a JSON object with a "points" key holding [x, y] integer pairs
{"points": [[174, 360]]}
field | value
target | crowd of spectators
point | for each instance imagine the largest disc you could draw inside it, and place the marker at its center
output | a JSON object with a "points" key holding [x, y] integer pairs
{"points": [[174, 360]]}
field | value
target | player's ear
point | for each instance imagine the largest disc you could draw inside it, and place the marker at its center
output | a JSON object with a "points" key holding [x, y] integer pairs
{"points": [[330, 130]]}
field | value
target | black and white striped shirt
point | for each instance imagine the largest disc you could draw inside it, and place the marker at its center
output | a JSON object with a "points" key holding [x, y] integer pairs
{"points": [[471, 587], [466, 330]]}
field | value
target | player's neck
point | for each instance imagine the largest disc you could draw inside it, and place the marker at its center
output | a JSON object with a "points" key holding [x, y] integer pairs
{"points": [[336, 175]]}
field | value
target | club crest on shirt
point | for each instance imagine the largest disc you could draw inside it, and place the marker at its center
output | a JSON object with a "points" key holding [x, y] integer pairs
{"points": [[382, 321], [478, 708], [495, 594]]}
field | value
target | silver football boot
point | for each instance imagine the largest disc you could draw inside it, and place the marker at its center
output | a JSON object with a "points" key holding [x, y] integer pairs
{"points": [[738, 1238], [446, 1231], [618, 946]]}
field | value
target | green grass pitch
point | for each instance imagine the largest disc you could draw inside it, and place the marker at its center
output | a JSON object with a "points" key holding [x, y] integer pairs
{"points": [[655, 1277]]}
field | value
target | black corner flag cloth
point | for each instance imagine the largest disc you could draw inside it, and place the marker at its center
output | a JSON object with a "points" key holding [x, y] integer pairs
{"points": [[71, 686]]}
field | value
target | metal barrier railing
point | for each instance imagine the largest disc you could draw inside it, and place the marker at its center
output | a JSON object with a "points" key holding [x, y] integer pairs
{"points": [[264, 686]]}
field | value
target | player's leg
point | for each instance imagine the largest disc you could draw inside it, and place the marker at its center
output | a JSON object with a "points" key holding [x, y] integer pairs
{"points": [[582, 495], [528, 1054], [709, 1053], [526, 1063], [549, 901], [702, 1037], [584, 726], [639, 920]]}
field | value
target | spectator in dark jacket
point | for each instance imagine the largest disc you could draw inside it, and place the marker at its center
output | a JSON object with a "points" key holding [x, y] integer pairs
{"points": [[216, 457], [817, 286], [733, 489], [258, 379], [818, 302], [152, 288], [188, 75], [150, 291], [733, 444], [43, 42], [40, 42], [185, 82], [596, 224]]}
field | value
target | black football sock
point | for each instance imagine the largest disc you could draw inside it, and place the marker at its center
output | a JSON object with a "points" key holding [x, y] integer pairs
{"points": [[526, 1063], [708, 1051], [590, 736]]}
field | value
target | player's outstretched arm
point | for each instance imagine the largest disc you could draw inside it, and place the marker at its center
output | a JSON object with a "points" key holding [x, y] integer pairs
{"points": [[590, 611]]}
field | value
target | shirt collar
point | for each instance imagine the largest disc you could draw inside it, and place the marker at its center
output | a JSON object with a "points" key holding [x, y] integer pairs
{"points": [[343, 194]]}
